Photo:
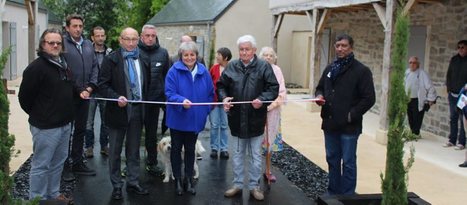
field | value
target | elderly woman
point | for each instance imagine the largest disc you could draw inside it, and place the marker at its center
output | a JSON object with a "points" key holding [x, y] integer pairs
{"points": [[421, 92], [187, 82], [273, 140]]}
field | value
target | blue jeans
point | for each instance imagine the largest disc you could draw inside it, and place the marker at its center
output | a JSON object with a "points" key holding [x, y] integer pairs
{"points": [[454, 119], [341, 155], [219, 129], [50, 150], [104, 132], [253, 147]]}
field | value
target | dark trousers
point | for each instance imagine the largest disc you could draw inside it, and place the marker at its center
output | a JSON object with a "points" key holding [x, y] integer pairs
{"points": [[150, 127], [79, 130], [187, 140], [104, 130], [415, 117], [455, 118], [132, 132]]}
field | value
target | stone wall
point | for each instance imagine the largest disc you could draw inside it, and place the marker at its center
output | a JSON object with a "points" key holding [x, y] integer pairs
{"points": [[446, 24], [169, 37]]}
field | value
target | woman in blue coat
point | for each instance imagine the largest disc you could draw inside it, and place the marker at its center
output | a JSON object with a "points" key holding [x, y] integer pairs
{"points": [[187, 82]]}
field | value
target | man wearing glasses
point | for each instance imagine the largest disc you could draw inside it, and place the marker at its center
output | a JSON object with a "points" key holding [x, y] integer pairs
{"points": [[124, 78], [83, 64], [456, 78], [46, 95]]}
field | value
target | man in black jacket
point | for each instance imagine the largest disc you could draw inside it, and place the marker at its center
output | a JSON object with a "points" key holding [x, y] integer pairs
{"points": [[157, 61], [46, 95], [247, 79], [347, 87], [124, 78], [456, 78], [83, 64]]}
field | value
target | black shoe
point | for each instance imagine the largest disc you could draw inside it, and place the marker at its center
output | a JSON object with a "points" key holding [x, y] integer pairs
{"points": [[153, 169], [463, 165], [81, 169], [213, 154], [224, 155], [178, 187], [137, 189], [67, 175], [189, 186], [117, 194]]}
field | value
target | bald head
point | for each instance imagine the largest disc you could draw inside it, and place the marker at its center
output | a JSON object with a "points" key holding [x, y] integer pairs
{"points": [[129, 38], [185, 38]]}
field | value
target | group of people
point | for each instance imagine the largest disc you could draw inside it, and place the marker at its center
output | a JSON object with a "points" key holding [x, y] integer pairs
{"points": [[58, 90]]}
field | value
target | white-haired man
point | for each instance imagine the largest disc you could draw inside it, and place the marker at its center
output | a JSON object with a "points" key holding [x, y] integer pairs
{"points": [[247, 79]]}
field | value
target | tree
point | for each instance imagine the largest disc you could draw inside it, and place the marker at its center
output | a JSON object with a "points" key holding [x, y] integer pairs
{"points": [[394, 185], [6, 147], [123, 13]]}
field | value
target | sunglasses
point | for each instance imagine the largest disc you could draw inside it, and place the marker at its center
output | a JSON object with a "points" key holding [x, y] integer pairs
{"points": [[53, 43]]}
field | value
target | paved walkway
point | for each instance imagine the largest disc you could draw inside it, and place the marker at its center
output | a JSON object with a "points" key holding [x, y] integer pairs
{"points": [[435, 175]]}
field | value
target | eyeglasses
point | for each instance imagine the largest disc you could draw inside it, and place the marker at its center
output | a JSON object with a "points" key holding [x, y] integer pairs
{"points": [[53, 43], [130, 39], [460, 47], [412, 62]]}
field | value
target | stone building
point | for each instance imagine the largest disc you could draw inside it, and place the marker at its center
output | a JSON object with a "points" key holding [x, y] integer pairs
{"points": [[435, 25], [213, 23]]}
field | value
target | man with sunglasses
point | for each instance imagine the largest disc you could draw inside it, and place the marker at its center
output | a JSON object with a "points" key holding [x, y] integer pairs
{"points": [[456, 78], [46, 95]]}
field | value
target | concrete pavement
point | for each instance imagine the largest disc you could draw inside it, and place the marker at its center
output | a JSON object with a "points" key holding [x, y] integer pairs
{"points": [[435, 175]]}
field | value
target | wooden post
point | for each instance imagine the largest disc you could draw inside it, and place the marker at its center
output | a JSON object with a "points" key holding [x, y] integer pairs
{"points": [[31, 8], [381, 135]]}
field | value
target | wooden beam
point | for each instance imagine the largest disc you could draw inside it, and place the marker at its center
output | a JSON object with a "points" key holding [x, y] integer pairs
{"points": [[383, 118], [323, 18], [408, 6], [278, 24], [313, 20], [381, 11], [30, 9]]}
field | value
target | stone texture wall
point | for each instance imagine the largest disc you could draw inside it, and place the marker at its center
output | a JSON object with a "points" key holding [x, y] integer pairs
{"points": [[169, 37], [446, 24]]}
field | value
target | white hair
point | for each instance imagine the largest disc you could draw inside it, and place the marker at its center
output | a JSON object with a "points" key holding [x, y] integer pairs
{"points": [[247, 39], [268, 49], [147, 26]]}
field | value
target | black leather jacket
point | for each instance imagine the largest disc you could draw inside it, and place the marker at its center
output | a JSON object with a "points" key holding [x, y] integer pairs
{"points": [[255, 81]]}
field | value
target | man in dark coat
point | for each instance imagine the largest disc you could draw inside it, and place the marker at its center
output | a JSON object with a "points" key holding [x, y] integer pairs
{"points": [[83, 64], [347, 87], [456, 78], [247, 79], [123, 78], [157, 59]]}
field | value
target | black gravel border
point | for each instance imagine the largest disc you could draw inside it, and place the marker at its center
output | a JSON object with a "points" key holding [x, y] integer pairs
{"points": [[303, 173]]}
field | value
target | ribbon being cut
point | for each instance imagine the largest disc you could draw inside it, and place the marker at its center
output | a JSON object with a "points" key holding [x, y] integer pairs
{"points": [[207, 103]]}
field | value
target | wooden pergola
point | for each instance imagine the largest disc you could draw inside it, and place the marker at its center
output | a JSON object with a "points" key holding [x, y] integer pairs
{"points": [[318, 11]]}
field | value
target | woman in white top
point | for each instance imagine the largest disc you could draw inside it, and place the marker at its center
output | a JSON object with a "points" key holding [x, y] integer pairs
{"points": [[421, 92]]}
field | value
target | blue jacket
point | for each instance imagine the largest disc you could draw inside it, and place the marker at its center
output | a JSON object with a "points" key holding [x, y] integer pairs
{"points": [[179, 85]]}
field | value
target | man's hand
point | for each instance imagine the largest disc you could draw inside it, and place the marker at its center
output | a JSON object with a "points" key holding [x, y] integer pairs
{"points": [[122, 101], [320, 100], [227, 104], [84, 94], [186, 103], [257, 103]]}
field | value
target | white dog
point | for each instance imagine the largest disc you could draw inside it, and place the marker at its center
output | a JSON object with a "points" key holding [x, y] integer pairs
{"points": [[163, 150]]}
